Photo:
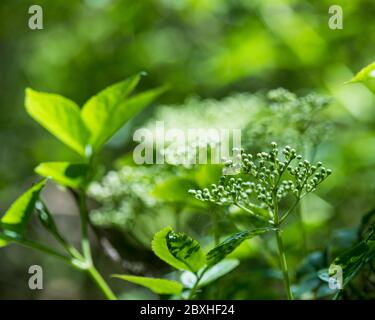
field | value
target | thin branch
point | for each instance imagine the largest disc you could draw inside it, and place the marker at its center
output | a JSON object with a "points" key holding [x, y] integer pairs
{"points": [[251, 212]]}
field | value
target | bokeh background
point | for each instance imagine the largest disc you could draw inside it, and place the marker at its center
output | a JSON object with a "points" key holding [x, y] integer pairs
{"points": [[205, 49]]}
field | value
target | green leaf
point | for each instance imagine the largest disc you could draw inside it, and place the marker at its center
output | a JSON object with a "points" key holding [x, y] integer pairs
{"points": [[366, 76], [159, 286], [218, 270], [188, 278], [60, 116], [353, 260], [367, 222], [67, 174], [16, 218], [230, 244], [105, 113], [178, 250]]}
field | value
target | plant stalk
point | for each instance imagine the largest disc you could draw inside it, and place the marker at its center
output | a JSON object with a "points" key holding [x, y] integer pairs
{"points": [[85, 243], [281, 249], [39, 247], [101, 283], [195, 287], [283, 264], [302, 228]]}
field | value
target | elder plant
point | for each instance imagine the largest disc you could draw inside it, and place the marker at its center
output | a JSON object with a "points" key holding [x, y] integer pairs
{"points": [[196, 267], [84, 130], [266, 180]]}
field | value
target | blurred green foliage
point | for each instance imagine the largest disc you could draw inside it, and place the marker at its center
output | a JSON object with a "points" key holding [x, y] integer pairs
{"points": [[201, 48]]}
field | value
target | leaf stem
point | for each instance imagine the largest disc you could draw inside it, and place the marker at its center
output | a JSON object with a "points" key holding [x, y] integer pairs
{"points": [[251, 212], [53, 229], [85, 243], [39, 247], [195, 287], [290, 210], [101, 283], [302, 228]]}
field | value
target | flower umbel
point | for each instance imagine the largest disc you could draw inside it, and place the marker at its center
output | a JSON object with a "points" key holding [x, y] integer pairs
{"points": [[265, 180]]}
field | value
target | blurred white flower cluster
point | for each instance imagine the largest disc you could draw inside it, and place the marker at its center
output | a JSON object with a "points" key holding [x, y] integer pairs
{"points": [[126, 201], [279, 116], [209, 116]]}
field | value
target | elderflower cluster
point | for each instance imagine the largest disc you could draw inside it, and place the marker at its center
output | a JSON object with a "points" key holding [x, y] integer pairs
{"points": [[203, 115], [266, 179], [289, 118], [124, 195], [228, 191]]}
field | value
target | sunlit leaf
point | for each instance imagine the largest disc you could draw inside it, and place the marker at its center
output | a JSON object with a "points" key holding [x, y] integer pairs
{"points": [[159, 286], [230, 244], [178, 250], [105, 113], [16, 218], [67, 174], [8, 236], [366, 76], [60, 116]]}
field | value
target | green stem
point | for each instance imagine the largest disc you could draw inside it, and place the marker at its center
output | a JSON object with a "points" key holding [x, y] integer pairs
{"points": [[283, 264], [198, 278], [302, 228], [53, 229], [283, 218], [195, 287], [177, 217], [280, 246], [101, 283], [85, 242], [216, 232], [39, 247], [251, 212]]}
